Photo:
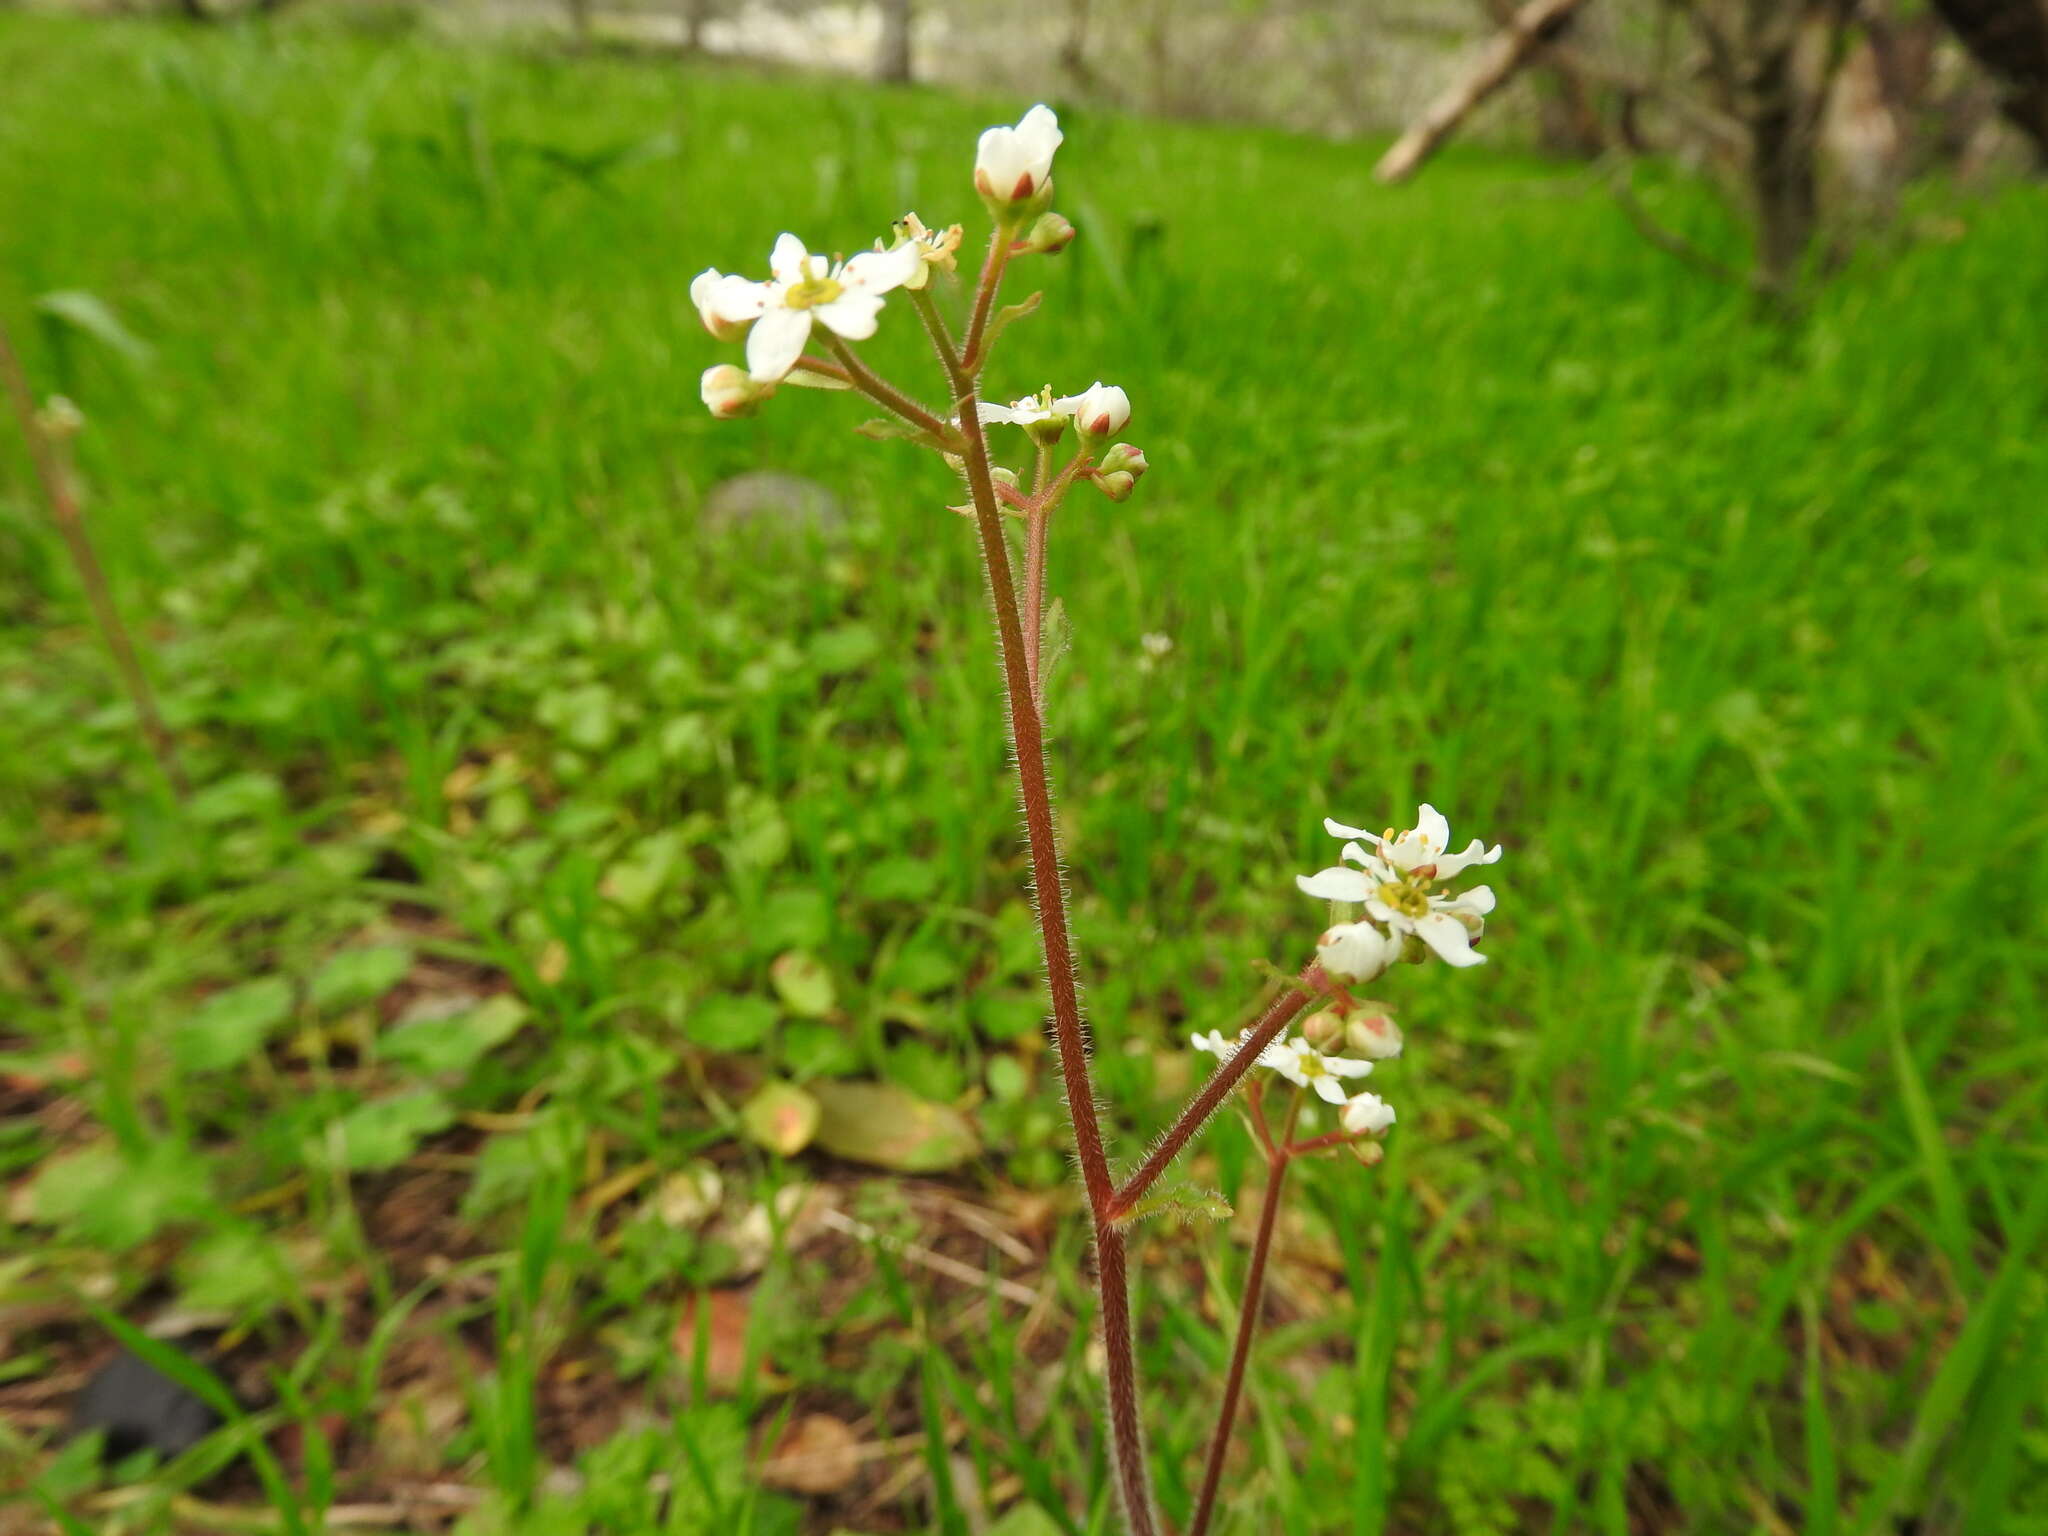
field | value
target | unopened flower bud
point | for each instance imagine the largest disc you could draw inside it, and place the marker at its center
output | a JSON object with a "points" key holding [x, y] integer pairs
{"points": [[1048, 236], [1013, 166], [1372, 1033], [1367, 1114], [728, 392], [1324, 1030], [1118, 485], [1125, 458], [1101, 410]]}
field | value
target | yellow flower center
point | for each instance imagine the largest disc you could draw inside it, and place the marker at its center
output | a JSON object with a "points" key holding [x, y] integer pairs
{"points": [[1408, 900], [812, 291]]}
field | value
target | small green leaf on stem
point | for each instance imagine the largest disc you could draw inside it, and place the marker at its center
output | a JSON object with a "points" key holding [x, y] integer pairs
{"points": [[884, 429], [1185, 1203], [1004, 316], [1054, 637]]}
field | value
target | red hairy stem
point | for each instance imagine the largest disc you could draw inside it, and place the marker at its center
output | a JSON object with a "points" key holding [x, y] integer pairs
{"points": [[1240, 1352], [887, 395], [1027, 742], [985, 297]]}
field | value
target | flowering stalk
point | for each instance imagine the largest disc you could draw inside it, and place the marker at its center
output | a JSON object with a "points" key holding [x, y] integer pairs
{"points": [[1386, 902], [44, 430], [1277, 1159]]}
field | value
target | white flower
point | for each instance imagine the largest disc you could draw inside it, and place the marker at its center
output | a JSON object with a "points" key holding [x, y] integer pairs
{"points": [[1396, 880], [715, 293], [1031, 411], [934, 247], [728, 392], [846, 298], [1101, 410], [1306, 1067], [1214, 1043], [1422, 844], [1357, 951], [1367, 1114], [1011, 165]]}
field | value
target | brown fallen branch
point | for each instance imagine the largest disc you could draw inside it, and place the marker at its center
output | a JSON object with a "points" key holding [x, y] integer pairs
{"points": [[1536, 23]]}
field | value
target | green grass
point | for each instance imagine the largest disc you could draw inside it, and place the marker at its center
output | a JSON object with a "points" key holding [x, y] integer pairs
{"points": [[1717, 1199]]}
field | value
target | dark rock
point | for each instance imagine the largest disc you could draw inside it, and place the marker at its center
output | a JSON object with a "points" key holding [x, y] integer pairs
{"points": [[140, 1408]]}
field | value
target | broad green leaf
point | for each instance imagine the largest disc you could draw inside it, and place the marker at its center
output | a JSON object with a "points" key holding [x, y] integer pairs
{"points": [[231, 1026], [114, 1202], [812, 1048], [648, 869], [384, 1132], [730, 1022], [900, 879], [781, 1117], [804, 984], [891, 1127], [455, 1043], [1006, 1015], [236, 1271], [587, 716], [241, 797], [358, 976], [844, 649], [796, 917]]}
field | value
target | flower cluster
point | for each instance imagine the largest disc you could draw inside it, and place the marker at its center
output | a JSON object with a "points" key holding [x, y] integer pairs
{"points": [[810, 298], [1395, 877], [1320, 1070], [1396, 880]]}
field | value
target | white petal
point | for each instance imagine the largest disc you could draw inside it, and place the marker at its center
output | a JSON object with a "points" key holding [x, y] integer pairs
{"points": [[787, 260], [1039, 129], [1478, 901], [1435, 831], [1449, 938], [879, 271], [776, 342], [1335, 884], [1329, 1090], [733, 298], [1356, 951], [1476, 852], [1338, 829], [852, 314], [1000, 414], [1344, 1066], [1000, 162]]}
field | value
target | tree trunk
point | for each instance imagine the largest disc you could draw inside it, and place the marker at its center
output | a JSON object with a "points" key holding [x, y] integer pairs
{"points": [[2009, 38], [892, 60], [1789, 51]]}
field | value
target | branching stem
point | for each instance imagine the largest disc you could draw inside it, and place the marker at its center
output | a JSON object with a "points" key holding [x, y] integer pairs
{"points": [[1027, 739], [1226, 1077]]}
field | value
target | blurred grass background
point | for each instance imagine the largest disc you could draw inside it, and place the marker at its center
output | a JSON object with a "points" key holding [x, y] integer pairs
{"points": [[1717, 1199]]}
